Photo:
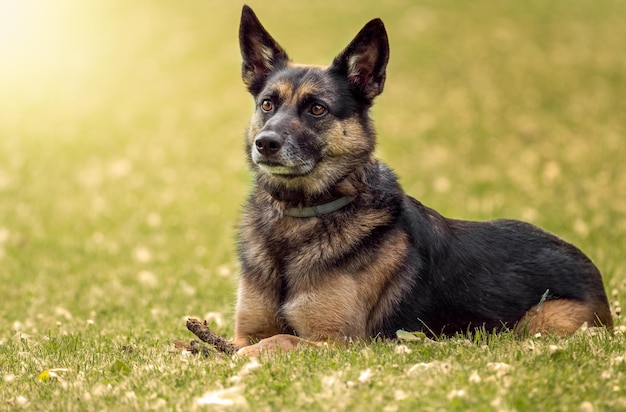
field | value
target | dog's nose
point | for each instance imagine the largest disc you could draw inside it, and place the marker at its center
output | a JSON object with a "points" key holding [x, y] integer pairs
{"points": [[268, 143]]}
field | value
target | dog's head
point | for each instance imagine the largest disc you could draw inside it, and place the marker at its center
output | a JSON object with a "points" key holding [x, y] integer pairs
{"points": [[310, 128]]}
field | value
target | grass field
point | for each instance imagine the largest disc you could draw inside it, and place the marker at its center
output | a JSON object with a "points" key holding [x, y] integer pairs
{"points": [[122, 176]]}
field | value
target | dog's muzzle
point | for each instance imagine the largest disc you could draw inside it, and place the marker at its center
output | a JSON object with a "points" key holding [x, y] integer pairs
{"points": [[275, 155]]}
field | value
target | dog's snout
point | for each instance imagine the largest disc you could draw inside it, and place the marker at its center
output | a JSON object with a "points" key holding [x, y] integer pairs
{"points": [[268, 143]]}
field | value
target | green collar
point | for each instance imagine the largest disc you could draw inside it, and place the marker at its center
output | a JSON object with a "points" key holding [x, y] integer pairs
{"points": [[319, 210]]}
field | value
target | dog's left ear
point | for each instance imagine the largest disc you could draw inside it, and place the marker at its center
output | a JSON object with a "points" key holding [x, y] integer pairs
{"points": [[260, 52], [364, 60]]}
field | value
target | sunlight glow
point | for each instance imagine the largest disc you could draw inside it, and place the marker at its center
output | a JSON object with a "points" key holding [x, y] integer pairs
{"points": [[44, 53], [35, 37], [20, 31]]}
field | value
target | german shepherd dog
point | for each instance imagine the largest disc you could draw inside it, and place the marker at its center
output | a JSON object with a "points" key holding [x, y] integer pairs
{"points": [[332, 249]]}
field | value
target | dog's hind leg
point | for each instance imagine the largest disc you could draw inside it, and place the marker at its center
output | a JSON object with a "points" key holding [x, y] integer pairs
{"points": [[563, 317]]}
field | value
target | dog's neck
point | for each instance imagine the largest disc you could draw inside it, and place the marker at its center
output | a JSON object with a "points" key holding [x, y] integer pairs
{"points": [[302, 205], [297, 198], [319, 209], [295, 203]]}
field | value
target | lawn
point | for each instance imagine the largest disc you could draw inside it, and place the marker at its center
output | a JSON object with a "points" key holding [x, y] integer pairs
{"points": [[122, 176]]}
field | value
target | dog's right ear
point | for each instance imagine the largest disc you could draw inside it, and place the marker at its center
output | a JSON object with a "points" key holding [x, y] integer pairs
{"points": [[260, 52]]}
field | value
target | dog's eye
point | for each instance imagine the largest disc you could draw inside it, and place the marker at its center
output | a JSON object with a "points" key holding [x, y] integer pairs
{"points": [[317, 110], [267, 105]]}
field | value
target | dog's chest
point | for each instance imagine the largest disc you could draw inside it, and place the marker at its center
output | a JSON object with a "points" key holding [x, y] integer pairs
{"points": [[302, 249], [345, 295], [328, 276], [329, 309], [321, 293]]}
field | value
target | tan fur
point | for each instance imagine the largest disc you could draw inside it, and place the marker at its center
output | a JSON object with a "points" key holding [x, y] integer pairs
{"points": [[275, 344], [561, 317], [388, 285], [347, 136], [256, 315], [332, 309], [338, 305], [284, 89]]}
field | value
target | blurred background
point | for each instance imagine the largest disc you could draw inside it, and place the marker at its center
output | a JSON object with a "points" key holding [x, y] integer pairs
{"points": [[122, 171]]}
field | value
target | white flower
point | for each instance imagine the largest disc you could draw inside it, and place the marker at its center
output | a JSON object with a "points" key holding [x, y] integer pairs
{"points": [[365, 376], [224, 397], [475, 377], [456, 393], [400, 349]]}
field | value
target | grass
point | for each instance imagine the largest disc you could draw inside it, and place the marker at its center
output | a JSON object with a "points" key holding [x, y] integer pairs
{"points": [[122, 176]]}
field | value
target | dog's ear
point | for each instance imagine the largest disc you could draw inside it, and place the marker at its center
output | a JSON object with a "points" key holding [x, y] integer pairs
{"points": [[365, 59], [261, 53]]}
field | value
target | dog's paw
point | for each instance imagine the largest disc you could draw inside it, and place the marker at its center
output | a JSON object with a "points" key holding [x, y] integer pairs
{"points": [[274, 344]]}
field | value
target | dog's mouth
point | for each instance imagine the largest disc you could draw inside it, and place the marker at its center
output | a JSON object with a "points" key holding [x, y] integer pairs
{"points": [[286, 170]]}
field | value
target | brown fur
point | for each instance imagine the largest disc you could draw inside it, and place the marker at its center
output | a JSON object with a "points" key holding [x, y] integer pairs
{"points": [[562, 317]]}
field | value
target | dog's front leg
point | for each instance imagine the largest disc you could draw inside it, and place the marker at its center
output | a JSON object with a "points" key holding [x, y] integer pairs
{"points": [[256, 312]]}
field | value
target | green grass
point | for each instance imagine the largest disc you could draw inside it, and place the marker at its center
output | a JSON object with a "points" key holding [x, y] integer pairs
{"points": [[122, 177]]}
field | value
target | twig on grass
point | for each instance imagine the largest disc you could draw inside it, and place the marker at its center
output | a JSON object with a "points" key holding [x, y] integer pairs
{"points": [[202, 331]]}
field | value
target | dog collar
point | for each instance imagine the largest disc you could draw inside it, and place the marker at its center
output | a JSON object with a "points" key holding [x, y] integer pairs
{"points": [[319, 210]]}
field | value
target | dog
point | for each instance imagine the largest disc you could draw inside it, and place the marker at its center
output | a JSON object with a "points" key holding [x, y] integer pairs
{"points": [[333, 250]]}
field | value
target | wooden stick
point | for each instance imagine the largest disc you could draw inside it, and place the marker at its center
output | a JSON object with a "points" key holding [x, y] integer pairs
{"points": [[202, 331]]}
